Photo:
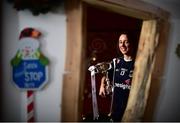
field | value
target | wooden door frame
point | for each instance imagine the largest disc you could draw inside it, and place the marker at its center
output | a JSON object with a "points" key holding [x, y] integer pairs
{"points": [[155, 23]]}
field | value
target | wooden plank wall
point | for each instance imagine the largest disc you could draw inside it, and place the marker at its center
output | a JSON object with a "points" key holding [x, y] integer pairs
{"points": [[71, 78]]}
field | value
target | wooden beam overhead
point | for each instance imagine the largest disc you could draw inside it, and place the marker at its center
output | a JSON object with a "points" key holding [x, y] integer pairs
{"points": [[133, 8]]}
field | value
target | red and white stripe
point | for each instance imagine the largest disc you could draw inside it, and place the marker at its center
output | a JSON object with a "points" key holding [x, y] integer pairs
{"points": [[30, 106]]}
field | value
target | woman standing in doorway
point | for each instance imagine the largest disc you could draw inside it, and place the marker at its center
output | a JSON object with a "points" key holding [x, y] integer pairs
{"points": [[120, 75]]}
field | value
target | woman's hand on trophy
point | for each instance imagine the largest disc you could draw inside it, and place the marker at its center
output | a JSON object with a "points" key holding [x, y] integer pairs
{"points": [[102, 90]]}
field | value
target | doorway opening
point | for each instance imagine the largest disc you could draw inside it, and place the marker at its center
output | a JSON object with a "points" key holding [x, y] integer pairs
{"points": [[149, 59], [102, 34]]}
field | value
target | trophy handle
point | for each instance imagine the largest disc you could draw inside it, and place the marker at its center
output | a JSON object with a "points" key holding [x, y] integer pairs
{"points": [[108, 86]]}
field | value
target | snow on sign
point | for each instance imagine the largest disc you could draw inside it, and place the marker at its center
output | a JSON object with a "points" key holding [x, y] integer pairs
{"points": [[29, 66]]}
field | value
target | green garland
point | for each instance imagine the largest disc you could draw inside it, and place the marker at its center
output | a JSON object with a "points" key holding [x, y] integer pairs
{"points": [[36, 6]]}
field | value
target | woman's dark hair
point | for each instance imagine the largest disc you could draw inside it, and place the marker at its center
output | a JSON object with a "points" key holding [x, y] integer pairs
{"points": [[129, 35]]}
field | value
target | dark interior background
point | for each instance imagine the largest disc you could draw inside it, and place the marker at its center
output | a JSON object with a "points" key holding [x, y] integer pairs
{"points": [[103, 29]]}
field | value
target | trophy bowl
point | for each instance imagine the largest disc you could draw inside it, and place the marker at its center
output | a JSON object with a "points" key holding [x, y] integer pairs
{"points": [[103, 67]]}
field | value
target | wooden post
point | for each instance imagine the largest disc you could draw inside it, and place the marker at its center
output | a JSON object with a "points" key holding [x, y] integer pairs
{"points": [[158, 71], [143, 71]]}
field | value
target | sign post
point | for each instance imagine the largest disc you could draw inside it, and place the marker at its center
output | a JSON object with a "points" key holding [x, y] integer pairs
{"points": [[29, 67]]}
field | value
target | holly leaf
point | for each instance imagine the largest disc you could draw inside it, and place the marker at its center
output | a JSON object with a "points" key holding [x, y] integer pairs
{"points": [[15, 61], [43, 60]]}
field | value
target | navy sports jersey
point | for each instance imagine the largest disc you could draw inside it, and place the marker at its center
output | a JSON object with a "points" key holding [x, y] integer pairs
{"points": [[122, 84]]}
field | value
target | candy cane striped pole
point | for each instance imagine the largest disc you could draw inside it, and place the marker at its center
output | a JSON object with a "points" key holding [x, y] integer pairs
{"points": [[30, 106]]}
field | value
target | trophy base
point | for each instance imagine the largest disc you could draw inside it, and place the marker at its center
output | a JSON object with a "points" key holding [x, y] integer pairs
{"points": [[101, 118]]}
